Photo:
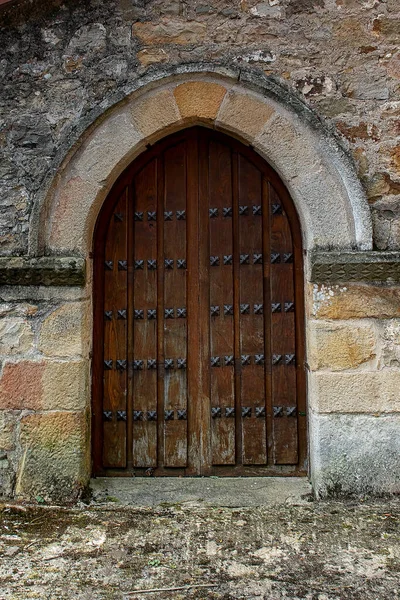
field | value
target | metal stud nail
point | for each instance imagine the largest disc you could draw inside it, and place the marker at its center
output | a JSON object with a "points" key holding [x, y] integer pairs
{"points": [[277, 411], [260, 411], [257, 211], [245, 359], [152, 264], [244, 259], [259, 359], [169, 364], [229, 412], [289, 307], [243, 210], [181, 313], [214, 311], [288, 257], [107, 415], [121, 365], [151, 314], [118, 217], [138, 313], [181, 263], [121, 314], [151, 415], [276, 359], [214, 261], [258, 309], [108, 365], [168, 214], [109, 265], [151, 363], [108, 315], [181, 415], [168, 415], [169, 313], [137, 365], [138, 216], [151, 215], [246, 411], [121, 415], [276, 209], [139, 264], [276, 307], [169, 263], [216, 412], [181, 215], [291, 411], [275, 257], [213, 212], [228, 309], [257, 259], [137, 415], [215, 361], [227, 211], [228, 259], [181, 363], [290, 359], [229, 361], [245, 309]]}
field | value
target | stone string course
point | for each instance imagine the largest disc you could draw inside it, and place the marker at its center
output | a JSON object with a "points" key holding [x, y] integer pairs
{"points": [[338, 58]]}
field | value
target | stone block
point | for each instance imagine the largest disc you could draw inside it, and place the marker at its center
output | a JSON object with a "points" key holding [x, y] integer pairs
{"points": [[54, 462], [150, 56], [199, 99], [243, 114], [360, 392], [170, 31], [390, 343], [154, 113], [8, 426], [355, 454], [354, 301], [16, 336], [44, 385], [336, 346], [64, 331]]}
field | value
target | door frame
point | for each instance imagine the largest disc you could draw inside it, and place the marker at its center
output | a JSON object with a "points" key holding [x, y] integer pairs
{"points": [[98, 282]]}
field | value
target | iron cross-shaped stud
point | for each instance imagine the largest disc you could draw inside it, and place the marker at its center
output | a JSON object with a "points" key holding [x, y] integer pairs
{"points": [[137, 415], [213, 212], [214, 311], [151, 313], [181, 313], [138, 216], [257, 211]]}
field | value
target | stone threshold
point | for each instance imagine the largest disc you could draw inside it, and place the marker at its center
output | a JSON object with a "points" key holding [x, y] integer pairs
{"points": [[325, 267]]}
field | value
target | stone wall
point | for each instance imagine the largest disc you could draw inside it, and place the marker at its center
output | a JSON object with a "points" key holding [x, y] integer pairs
{"points": [[63, 68]]}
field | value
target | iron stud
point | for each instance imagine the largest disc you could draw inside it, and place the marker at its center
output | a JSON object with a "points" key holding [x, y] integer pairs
{"points": [[276, 307], [151, 215], [257, 211], [277, 411], [181, 363], [228, 259], [214, 261], [214, 311], [229, 361], [168, 415], [151, 313], [152, 264], [257, 259], [230, 412], [169, 364], [118, 217], [181, 263], [213, 212], [290, 359], [181, 215], [181, 415], [258, 309], [288, 257], [259, 359], [291, 411], [216, 412], [121, 314], [151, 363], [244, 259], [137, 415], [169, 313], [275, 257], [181, 313], [289, 306], [243, 210], [228, 309], [108, 365], [121, 415], [108, 315], [227, 212], [138, 313], [168, 215], [151, 415], [246, 411], [139, 264], [276, 359], [260, 411], [245, 359], [107, 415], [137, 365], [138, 216], [121, 365], [276, 209], [215, 361], [245, 309], [109, 265], [169, 263]]}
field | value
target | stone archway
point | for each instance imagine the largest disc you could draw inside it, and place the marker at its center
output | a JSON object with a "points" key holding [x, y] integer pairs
{"points": [[320, 178]]}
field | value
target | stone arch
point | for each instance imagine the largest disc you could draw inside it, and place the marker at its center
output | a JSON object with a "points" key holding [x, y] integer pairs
{"points": [[320, 177]]}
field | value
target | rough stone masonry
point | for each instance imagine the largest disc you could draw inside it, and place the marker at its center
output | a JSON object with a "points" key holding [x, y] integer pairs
{"points": [[63, 61]]}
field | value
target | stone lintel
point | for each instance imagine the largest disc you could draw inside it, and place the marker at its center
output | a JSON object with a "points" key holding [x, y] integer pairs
{"points": [[348, 266], [44, 270]]}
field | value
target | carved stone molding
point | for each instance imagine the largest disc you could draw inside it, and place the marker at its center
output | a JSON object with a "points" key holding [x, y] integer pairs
{"points": [[45, 270], [334, 267]]}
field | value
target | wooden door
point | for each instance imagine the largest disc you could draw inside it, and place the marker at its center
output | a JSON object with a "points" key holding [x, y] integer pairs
{"points": [[198, 364]]}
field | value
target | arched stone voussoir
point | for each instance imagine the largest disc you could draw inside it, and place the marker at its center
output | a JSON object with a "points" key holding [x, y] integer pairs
{"points": [[321, 179]]}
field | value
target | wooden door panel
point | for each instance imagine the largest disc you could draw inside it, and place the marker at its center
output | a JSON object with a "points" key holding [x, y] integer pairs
{"points": [[115, 337], [199, 315]]}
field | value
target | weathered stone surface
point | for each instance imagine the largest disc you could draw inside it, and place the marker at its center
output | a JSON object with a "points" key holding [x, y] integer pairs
{"points": [[8, 430], [45, 270], [355, 454], [336, 346], [16, 336], [44, 385], [240, 112], [53, 464], [354, 301], [63, 331], [149, 56], [155, 113], [361, 392], [199, 99], [390, 344], [170, 31]]}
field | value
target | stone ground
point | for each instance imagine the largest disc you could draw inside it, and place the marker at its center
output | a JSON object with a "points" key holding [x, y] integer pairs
{"points": [[201, 538]]}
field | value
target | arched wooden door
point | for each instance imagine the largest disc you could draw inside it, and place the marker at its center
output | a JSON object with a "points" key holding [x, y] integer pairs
{"points": [[198, 363]]}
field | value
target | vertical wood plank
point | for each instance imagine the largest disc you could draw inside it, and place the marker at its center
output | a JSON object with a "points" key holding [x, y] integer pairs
{"points": [[144, 318], [175, 307], [115, 339]]}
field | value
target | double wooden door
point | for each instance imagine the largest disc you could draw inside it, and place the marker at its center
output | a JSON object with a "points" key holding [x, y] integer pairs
{"points": [[198, 361]]}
